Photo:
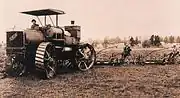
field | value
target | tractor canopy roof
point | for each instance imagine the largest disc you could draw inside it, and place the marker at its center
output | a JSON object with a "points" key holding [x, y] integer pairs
{"points": [[44, 12]]}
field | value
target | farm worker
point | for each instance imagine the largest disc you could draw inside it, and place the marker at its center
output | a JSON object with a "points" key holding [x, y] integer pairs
{"points": [[175, 48], [126, 51], [175, 51], [173, 54], [34, 25]]}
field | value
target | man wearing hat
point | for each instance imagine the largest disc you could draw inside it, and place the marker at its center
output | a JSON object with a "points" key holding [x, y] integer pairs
{"points": [[34, 25]]}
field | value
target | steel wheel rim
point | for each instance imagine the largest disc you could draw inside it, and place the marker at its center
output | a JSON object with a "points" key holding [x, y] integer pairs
{"points": [[87, 61]]}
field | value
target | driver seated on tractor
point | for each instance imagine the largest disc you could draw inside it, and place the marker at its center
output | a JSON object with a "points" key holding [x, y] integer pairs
{"points": [[34, 25]]}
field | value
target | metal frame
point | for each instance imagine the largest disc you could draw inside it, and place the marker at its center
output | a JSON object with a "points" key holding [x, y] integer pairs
{"points": [[45, 12]]}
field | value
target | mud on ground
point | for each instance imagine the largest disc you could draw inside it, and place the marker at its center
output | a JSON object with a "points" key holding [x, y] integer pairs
{"points": [[100, 82]]}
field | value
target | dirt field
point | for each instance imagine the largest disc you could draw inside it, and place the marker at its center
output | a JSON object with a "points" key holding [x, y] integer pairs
{"points": [[150, 81]]}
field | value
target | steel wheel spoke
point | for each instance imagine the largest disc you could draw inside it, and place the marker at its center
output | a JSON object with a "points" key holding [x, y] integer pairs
{"points": [[48, 54], [85, 65], [50, 68]]}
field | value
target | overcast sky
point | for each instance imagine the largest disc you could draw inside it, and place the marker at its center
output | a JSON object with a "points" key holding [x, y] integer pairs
{"points": [[100, 18]]}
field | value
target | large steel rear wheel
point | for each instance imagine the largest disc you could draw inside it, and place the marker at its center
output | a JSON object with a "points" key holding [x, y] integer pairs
{"points": [[86, 57], [46, 59]]}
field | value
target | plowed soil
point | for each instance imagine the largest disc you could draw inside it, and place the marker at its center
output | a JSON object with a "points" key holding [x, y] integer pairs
{"points": [[149, 81]]}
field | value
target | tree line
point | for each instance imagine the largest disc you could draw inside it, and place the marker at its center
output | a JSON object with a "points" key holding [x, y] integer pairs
{"points": [[153, 41]]}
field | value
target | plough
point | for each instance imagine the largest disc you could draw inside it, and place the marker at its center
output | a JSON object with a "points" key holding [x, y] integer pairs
{"points": [[116, 58]]}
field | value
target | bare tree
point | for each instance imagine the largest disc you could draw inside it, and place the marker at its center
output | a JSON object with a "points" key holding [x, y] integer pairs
{"points": [[178, 39], [171, 39], [166, 40]]}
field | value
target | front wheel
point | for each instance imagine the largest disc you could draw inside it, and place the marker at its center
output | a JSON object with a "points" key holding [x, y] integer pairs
{"points": [[14, 67], [85, 57]]}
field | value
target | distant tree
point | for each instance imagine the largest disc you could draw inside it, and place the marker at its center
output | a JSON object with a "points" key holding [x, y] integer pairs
{"points": [[137, 41], [105, 42], [118, 40], [171, 39], [125, 40], [111, 40], [157, 41], [152, 39], [161, 39], [178, 39], [95, 43], [166, 40], [146, 44], [132, 41]]}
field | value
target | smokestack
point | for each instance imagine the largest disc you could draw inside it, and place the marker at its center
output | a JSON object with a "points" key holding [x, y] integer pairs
{"points": [[72, 22]]}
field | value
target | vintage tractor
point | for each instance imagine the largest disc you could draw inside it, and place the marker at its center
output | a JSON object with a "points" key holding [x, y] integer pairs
{"points": [[46, 47]]}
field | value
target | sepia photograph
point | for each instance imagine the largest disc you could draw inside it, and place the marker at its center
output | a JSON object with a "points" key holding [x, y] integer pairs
{"points": [[90, 49]]}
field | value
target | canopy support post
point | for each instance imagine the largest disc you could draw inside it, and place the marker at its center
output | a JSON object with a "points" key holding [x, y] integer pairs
{"points": [[39, 21], [51, 20], [57, 20], [45, 20]]}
